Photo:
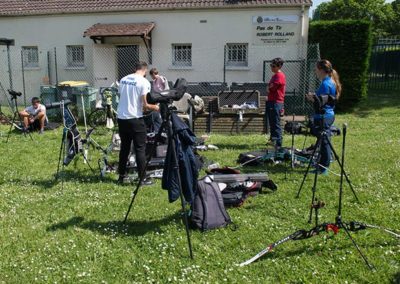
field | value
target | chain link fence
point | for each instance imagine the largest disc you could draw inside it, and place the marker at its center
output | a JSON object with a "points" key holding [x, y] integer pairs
{"points": [[37, 72]]}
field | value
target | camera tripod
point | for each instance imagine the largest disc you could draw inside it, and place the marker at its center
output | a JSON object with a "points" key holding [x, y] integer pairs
{"points": [[166, 111], [333, 227], [16, 116], [323, 135]]}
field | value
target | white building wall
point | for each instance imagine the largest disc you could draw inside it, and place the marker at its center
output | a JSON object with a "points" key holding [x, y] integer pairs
{"points": [[207, 39]]}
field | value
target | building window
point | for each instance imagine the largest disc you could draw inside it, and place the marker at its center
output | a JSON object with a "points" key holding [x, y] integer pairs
{"points": [[31, 56], [182, 55], [75, 56], [237, 54]]}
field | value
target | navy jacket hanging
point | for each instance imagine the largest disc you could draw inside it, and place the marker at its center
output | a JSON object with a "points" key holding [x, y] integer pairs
{"points": [[188, 171]]}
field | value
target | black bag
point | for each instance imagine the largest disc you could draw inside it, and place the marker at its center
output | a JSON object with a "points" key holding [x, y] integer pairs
{"points": [[236, 193], [208, 210], [233, 198]]}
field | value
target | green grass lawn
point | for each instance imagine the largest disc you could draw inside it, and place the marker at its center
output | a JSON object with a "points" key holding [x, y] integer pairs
{"points": [[76, 234]]}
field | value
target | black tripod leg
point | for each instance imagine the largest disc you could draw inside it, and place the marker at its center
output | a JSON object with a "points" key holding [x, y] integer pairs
{"points": [[30, 136], [314, 188], [11, 126], [309, 166], [143, 174], [344, 172], [341, 225]]}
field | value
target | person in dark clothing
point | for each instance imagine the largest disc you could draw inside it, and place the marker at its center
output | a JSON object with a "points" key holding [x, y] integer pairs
{"points": [[275, 101], [330, 86], [133, 91]]}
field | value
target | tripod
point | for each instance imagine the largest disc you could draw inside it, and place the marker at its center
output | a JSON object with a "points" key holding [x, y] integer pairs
{"points": [[166, 112], [335, 227], [14, 96], [71, 136], [323, 136]]}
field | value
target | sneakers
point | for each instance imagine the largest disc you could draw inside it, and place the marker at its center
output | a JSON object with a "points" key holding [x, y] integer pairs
{"points": [[127, 180], [41, 131], [124, 180]]}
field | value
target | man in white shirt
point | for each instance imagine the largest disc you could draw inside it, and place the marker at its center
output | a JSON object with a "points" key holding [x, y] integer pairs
{"points": [[133, 90], [34, 115]]}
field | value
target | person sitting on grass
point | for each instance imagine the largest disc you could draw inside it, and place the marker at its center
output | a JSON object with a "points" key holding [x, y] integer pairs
{"points": [[34, 116]]}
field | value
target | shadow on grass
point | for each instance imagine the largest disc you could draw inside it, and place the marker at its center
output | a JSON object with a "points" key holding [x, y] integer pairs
{"points": [[68, 176], [116, 228], [315, 251], [83, 177]]}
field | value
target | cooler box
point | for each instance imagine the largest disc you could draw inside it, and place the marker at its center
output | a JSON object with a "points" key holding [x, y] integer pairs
{"points": [[69, 89]]}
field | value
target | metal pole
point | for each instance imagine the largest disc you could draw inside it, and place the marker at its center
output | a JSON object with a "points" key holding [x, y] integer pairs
{"points": [[224, 76], [9, 67], [342, 171], [23, 76], [48, 67], [55, 64]]}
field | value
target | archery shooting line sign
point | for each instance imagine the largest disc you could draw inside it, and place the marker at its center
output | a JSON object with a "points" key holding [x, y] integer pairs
{"points": [[275, 30]]}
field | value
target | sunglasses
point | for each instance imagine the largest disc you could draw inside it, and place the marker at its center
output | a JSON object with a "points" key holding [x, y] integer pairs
{"points": [[273, 65]]}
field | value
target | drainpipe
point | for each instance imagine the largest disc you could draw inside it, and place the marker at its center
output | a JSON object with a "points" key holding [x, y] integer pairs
{"points": [[302, 24]]}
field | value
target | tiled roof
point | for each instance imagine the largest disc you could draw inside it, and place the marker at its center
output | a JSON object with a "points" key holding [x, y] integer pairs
{"points": [[136, 29], [44, 7]]}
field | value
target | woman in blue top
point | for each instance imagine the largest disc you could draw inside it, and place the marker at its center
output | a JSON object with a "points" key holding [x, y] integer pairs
{"points": [[330, 88]]}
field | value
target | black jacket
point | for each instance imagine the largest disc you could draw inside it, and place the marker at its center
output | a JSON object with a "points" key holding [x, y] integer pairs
{"points": [[188, 171]]}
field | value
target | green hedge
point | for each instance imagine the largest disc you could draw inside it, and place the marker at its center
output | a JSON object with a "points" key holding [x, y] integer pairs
{"points": [[347, 44]]}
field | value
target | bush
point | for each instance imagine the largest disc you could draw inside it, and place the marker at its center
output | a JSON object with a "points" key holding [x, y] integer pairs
{"points": [[347, 44]]}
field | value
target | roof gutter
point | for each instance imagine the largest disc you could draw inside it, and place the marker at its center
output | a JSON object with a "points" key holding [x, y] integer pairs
{"points": [[124, 10]]}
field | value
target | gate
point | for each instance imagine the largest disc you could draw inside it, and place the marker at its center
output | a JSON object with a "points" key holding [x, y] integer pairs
{"points": [[384, 73]]}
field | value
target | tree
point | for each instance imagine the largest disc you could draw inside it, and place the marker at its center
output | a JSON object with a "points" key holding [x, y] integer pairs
{"points": [[381, 14], [395, 26]]}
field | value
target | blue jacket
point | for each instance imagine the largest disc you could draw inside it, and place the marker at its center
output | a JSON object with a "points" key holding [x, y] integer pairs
{"points": [[327, 87], [188, 171]]}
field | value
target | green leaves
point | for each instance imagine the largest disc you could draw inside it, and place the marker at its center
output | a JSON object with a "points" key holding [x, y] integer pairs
{"points": [[382, 15], [347, 44]]}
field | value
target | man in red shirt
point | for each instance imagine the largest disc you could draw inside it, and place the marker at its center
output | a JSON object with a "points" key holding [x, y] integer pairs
{"points": [[275, 101]]}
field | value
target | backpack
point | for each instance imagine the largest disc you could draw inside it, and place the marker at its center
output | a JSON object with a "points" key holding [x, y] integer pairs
{"points": [[208, 210]]}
